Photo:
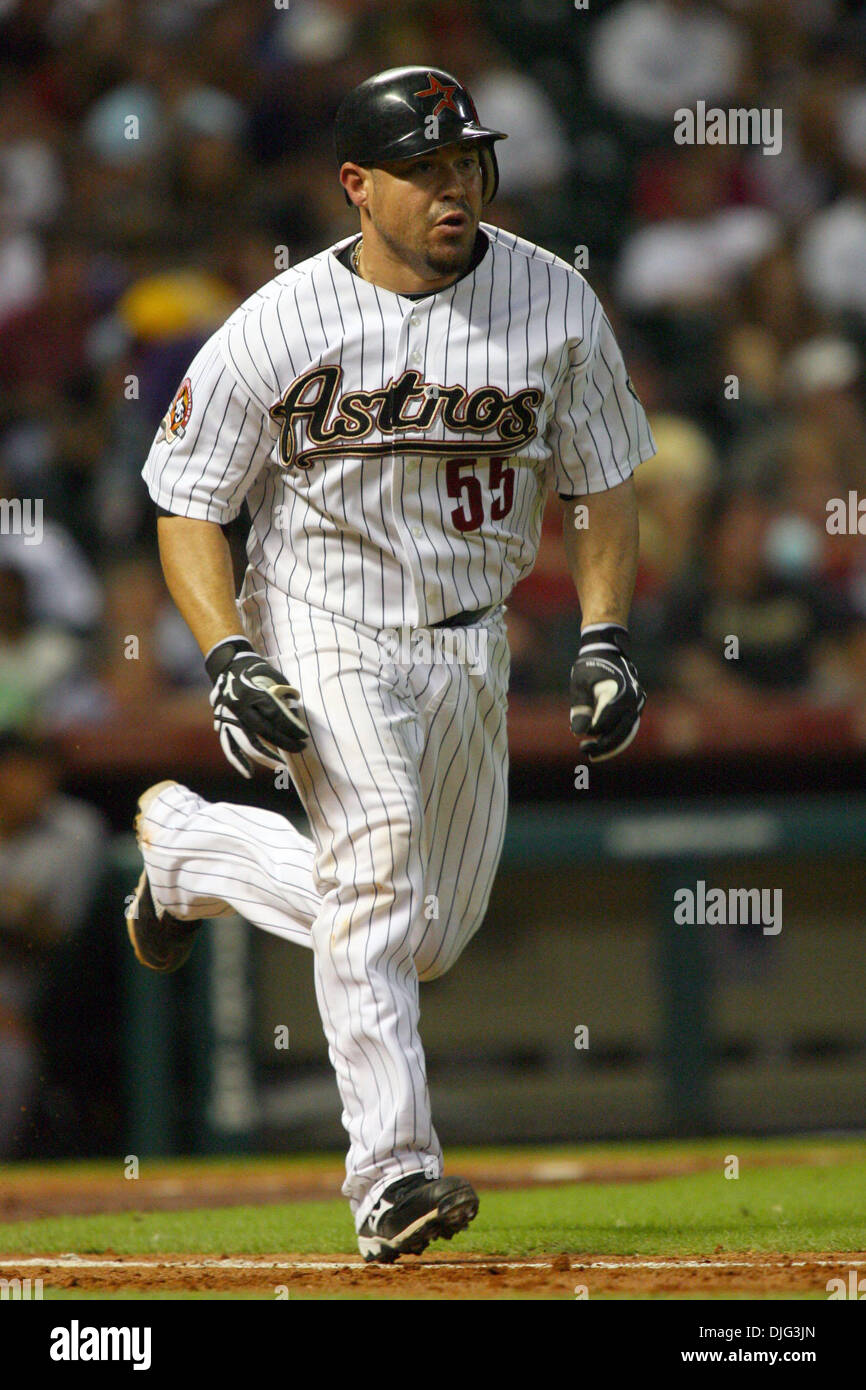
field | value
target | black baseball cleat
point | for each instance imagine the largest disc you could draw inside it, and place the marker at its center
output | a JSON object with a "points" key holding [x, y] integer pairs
{"points": [[160, 941], [412, 1212]]}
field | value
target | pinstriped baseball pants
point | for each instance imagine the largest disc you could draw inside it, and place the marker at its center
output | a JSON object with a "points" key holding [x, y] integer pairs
{"points": [[404, 782]]}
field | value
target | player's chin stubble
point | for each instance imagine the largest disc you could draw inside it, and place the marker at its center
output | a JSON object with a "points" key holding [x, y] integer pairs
{"points": [[425, 259]]}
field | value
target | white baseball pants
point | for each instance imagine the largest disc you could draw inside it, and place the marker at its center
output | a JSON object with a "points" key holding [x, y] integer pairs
{"points": [[404, 782]]}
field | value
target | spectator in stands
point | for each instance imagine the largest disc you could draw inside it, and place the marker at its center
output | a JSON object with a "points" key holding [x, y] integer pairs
{"points": [[145, 665], [31, 171], [825, 459], [649, 57], [148, 650], [749, 358], [673, 490], [774, 298], [51, 859], [702, 246], [738, 629], [833, 256], [38, 661], [61, 587], [45, 341]]}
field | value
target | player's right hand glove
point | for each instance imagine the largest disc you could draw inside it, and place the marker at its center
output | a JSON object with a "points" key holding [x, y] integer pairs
{"points": [[606, 696], [256, 711]]}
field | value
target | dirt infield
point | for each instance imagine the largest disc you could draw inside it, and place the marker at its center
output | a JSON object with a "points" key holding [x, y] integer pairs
{"points": [[438, 1274], [443, 1277]]}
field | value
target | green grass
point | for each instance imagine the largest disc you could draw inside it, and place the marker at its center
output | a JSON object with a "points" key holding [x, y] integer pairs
{"points": [[777, 1208], [806, 1194]]}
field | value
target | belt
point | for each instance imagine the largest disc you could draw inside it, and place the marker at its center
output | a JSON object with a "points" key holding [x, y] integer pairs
{"points": [[467, 618]]}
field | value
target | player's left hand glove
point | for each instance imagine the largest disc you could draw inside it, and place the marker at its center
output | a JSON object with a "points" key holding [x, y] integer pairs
{"points": [[606, 696], [256, 711]]}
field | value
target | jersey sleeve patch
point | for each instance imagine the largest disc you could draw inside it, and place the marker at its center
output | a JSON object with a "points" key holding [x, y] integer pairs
{"points": [[174, 422]]}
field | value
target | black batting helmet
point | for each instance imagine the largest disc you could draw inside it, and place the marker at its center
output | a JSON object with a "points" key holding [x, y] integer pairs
{"points": [[404, 112]]}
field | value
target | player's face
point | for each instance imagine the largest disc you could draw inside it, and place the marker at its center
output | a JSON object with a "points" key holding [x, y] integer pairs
{"points": [[426, 210]]}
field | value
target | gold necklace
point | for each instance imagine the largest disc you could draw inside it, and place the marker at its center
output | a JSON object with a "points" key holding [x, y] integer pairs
{"points": [[356, 257]]}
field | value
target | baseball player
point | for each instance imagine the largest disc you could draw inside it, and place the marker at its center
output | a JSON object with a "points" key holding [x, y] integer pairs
{"points": [[394, 411]]}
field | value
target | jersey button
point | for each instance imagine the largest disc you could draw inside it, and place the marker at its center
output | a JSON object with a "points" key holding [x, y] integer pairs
{"points": [[414, 320], [412, 466], [417, 530], [416, 356]]}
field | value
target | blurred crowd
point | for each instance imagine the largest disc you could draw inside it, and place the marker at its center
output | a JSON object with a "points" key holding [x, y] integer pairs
{"points": [[159, 157]]}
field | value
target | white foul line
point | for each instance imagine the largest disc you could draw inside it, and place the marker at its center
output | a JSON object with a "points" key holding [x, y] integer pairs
{"points": [[478, 1263], [85, 1262]]}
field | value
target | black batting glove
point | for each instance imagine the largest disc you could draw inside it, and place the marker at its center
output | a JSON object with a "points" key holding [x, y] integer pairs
{"points": [[606, 696], [256, 711]]}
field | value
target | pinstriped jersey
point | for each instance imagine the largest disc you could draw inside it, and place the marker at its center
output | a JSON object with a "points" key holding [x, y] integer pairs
{"points": [[396, 452]]}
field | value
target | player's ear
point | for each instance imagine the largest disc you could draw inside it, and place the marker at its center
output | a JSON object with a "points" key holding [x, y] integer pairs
{"points": [[355, 181]]}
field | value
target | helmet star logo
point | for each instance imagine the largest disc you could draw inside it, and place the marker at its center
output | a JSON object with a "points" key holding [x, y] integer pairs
{"points": [[443, 91]]}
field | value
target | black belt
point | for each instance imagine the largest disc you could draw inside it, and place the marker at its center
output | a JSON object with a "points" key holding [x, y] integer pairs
{"points": [[468, 618]]}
